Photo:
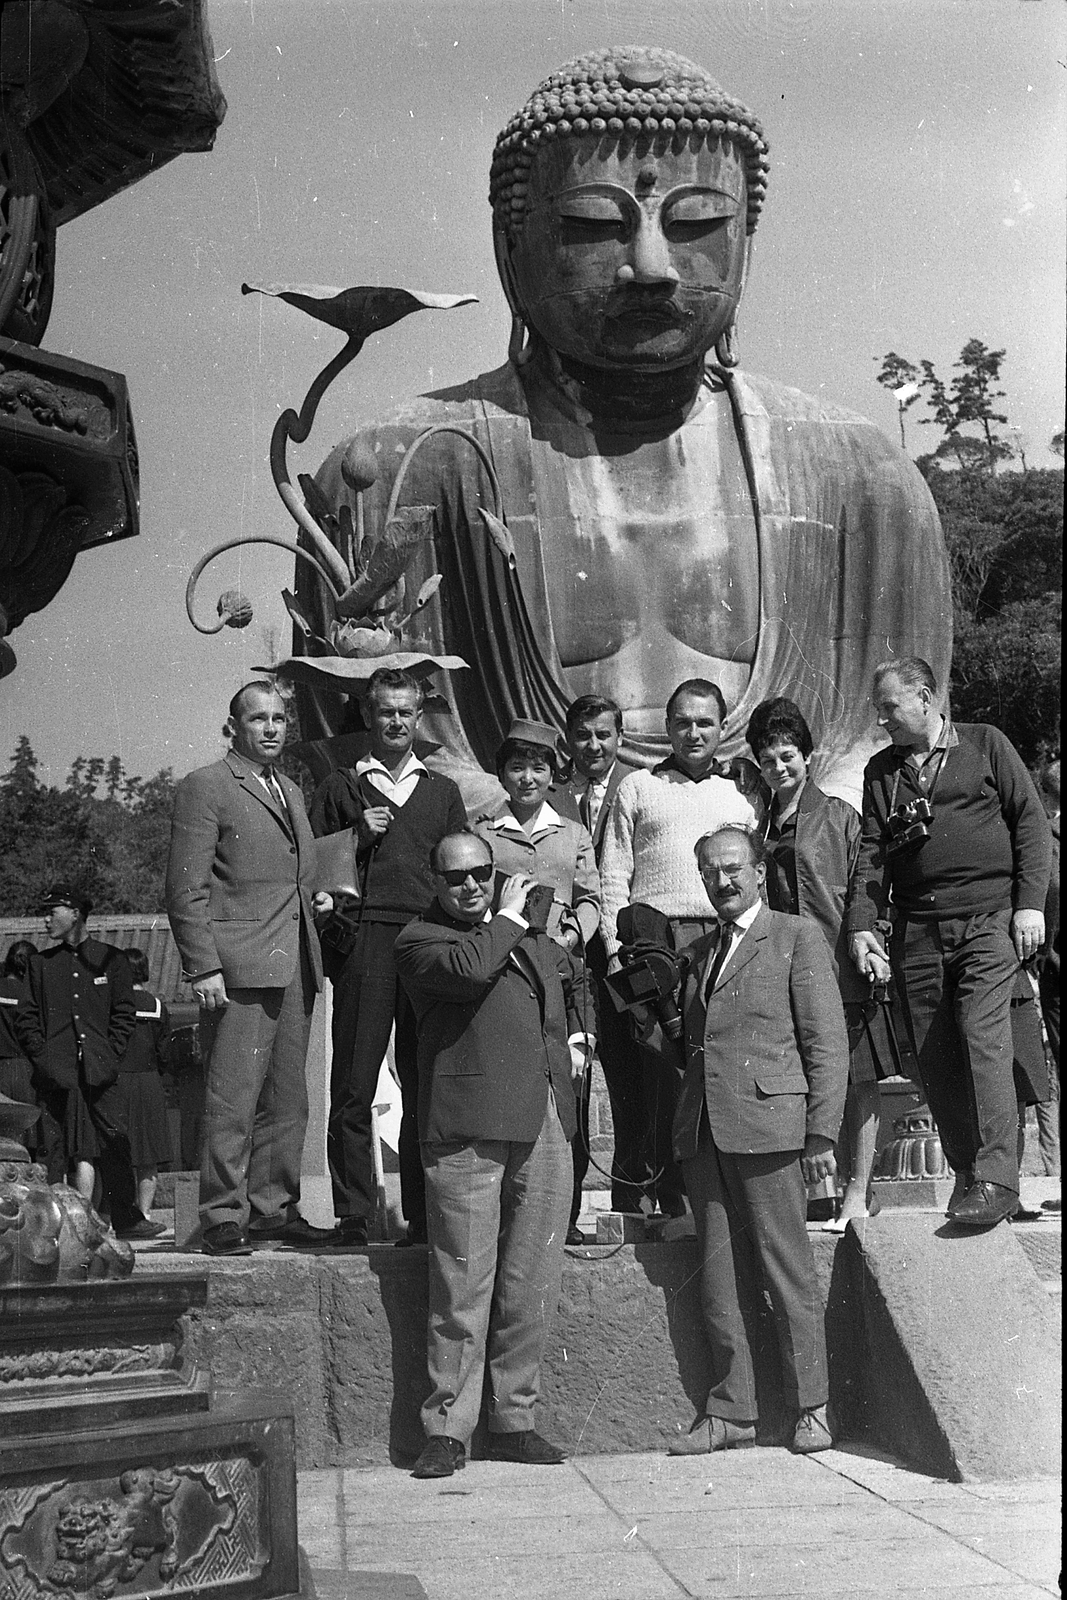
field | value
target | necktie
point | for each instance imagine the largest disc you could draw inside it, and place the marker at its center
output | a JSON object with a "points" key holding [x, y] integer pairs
{"points": [[726, 933], [585, 807], [275, 790]]}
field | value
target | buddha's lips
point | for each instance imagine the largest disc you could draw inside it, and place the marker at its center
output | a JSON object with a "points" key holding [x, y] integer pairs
{"points": [[665, 312]]}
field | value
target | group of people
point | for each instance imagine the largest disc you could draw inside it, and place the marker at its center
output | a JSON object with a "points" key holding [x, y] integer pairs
{"points": [[84, 1039], [500, 953]]}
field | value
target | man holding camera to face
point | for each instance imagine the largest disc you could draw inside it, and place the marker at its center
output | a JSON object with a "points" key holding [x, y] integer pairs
{"points": [[501, 1017], [955, 841]]}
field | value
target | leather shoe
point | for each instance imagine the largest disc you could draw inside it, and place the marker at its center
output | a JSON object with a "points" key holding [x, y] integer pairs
{"points": [[440, 1458], [709, 1434], [527, 1448], [985, 1204], [812, 1433], [353, 1232], [964, 1180], [143, 1228], [294, 1231], [225, 1239], [416, 1234]]}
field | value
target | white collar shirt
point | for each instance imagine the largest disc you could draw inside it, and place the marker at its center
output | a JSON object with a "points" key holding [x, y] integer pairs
{"points": [[597, 790], [738, 928], [546, 821], [397, 787]]}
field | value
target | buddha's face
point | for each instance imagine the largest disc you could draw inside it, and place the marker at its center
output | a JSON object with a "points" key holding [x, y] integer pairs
{"points": [[632, 256]]}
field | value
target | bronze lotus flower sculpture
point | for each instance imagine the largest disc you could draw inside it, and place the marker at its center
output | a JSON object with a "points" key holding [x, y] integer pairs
{"points": [[368, 606]]}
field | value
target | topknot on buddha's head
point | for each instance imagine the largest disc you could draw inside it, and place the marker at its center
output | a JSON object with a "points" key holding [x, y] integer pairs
{"points": [[626, 93]]}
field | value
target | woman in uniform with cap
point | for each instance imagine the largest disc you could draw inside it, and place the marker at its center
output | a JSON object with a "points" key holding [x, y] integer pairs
{"points": [[527, 834]]}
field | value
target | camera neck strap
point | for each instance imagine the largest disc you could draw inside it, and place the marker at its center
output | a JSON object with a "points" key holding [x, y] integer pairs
{"points": [[942, 756]]}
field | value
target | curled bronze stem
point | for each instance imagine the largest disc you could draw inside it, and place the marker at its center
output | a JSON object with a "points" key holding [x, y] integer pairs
{"points": [[297, 426], [233, 544], [419, 440]]}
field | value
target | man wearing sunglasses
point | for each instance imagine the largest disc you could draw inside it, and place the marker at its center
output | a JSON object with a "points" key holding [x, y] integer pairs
{"points": [[501, 1017]]}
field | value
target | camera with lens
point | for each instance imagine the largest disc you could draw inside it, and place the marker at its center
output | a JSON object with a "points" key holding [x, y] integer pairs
{"points": [[652, 970], [907, 826], [538, 905], [650, 978]]}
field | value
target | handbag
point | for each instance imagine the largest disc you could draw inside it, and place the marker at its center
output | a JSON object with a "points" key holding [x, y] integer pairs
{"points": [[336, 871]]}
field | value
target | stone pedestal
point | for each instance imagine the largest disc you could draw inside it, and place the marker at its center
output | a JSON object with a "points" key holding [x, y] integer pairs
{"points": [[79, 1356], [117, 1474]]}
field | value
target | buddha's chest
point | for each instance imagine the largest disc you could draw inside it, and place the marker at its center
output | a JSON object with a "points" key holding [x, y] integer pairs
{"points": [[652, 541]]}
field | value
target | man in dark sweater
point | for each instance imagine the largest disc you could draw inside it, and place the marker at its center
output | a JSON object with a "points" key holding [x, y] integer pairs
{"points": [[956, 848], [399, 809]]}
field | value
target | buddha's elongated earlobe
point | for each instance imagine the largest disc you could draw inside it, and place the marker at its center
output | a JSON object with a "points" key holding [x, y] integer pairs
{"points": [[726, 345], [520, 346]]}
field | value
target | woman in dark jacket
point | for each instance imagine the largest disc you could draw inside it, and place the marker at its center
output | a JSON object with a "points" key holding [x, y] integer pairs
{"points": [[813, 842]]}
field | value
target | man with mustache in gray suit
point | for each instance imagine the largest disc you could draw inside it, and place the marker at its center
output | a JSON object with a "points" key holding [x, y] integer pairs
{"points": [[758, 1112]]}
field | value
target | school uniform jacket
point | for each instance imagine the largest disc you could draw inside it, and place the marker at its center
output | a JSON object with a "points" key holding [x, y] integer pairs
{"points": [[77, 1000]]}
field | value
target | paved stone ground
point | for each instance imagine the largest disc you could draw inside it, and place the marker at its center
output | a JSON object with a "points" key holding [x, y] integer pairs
{"points": [[644, 1527]]}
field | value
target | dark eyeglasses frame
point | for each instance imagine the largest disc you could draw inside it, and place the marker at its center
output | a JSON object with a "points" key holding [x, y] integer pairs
{"points": [[457, 876]]}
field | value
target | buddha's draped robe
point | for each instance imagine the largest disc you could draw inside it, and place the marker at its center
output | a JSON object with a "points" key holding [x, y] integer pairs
{"points": [[832, 525]]}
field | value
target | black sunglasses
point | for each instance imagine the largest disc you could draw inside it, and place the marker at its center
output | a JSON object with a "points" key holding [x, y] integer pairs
{"points": [[459, 875]]}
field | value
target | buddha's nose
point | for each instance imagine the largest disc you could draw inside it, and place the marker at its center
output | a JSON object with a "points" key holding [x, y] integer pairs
{"points": [[650, 259]]}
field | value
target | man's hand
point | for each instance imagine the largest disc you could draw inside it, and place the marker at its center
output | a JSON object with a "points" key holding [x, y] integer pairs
{"points": [[1027, 933], [322, 903], [869, 957], [582, 1048], [817, 1161], [211, 992], [373, 825], [513, 893]]}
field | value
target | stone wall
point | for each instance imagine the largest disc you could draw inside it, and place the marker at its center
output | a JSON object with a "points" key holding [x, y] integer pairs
{"points": [[342, 1338]]}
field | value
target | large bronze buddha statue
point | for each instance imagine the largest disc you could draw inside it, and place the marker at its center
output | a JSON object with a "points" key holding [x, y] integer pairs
{"points": [[669, 515]]}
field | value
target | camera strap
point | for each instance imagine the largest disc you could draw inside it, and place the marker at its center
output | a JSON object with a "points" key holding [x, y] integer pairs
{"points": [[929, 798]]}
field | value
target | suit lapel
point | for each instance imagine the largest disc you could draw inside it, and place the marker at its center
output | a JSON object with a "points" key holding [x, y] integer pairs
{"points": [[259, 791], [746, 950], [618, 772]]}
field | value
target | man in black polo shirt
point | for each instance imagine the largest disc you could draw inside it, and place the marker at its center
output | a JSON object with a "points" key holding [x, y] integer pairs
{"points": [[956, 838], [399, 809]]}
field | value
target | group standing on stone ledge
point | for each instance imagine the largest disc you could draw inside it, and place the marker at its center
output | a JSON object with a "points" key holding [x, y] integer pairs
{"points": [[510, 951]]}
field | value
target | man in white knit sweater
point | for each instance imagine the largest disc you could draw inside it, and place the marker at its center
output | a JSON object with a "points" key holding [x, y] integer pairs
{"points": [[656, 819]]}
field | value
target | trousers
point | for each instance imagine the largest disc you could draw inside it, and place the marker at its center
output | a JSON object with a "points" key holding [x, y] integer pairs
{"points": [[750, 1213], [955, 976], [368, 1001], [255, 1102], [496, 1216]]}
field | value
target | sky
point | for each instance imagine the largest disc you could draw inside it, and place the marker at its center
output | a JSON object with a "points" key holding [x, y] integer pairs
{"points": [[915, 202]]}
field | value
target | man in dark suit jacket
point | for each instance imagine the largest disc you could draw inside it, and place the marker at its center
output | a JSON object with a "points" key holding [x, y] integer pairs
{"points": [[499, 1035], [241, 905], [758, 1112], [75, 1019], [594, 728]]}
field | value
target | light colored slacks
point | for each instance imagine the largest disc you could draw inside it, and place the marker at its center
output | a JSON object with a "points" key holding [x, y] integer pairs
{"points": [[496, 1216], [255, 1102]]}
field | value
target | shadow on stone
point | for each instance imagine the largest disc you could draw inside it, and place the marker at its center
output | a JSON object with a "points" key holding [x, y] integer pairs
{"points": [[401, 1281]]}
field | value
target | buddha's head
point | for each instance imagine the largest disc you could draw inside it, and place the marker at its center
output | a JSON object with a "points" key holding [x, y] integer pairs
{"points": [[624, 194]]}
